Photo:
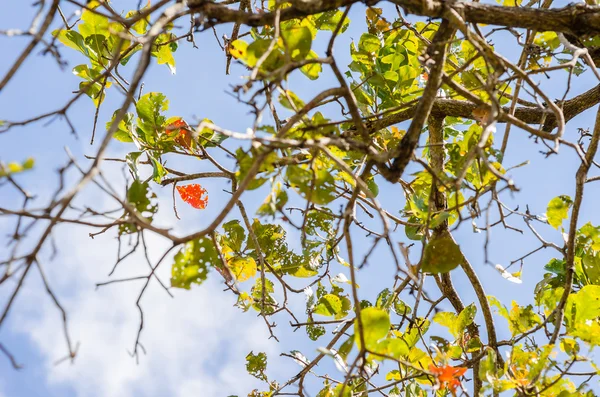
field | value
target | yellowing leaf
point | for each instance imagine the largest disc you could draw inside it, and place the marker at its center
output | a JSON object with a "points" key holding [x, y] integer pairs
{"points": [[93, 24], [237, 49], [329, 305], [558, 210], [242, 268]]}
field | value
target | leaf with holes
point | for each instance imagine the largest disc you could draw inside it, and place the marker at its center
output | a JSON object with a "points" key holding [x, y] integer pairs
{"points": [[192, 262], [145, 202], [256, 365], [194, 194]]}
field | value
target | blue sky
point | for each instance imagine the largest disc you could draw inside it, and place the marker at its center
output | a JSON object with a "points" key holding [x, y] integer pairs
{"points": [[197, 342]]}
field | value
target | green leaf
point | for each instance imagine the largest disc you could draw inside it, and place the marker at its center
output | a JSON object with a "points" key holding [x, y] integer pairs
{"points": [[487, 366], [329, 20], [501, 308], [72, 39], [289, 100], [312, 70], [586, 303], [401, 308], [346, 347], [257, 49], [446, 319], [522, 318], [329, 305], [297, 40], [149, 110], [234, 235], [98, 49], [245, 162], [316, 184], [94, 86], [372, 185], [591, 268], [465, 318], [256, 365], [569, 346], [383, 299], [163, 50], [558, 210], [393, 347], [274, 202], [158, 171], [441, 255], [28, 164], [124, 132], [589, 235], [369, 43], [143, 200], [270, 303], [375, 326], [141, 26], [132, 160], [314, 332], [192, 262], [93, 24], [414, 232]]}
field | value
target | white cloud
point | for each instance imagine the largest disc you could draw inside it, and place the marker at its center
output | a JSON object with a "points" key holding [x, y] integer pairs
{"points": [[196, 343]]}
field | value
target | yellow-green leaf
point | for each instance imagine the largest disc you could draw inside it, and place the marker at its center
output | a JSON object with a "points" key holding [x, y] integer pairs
{"points": [[375, 326], [558, 210], [242, 268], [441, 255]]}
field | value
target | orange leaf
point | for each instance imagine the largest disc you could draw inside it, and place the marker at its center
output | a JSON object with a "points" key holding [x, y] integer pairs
{"points": [[176, 125], [447, 376], [182, 130], [194, 194], [480, 114]]}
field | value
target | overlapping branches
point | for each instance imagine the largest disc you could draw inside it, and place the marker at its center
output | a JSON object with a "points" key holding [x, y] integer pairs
{"points": [[335, 162]]}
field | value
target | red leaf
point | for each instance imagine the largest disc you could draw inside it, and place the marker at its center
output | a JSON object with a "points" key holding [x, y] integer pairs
{"points": [[194, 194], [174, 127], [182, 131]]}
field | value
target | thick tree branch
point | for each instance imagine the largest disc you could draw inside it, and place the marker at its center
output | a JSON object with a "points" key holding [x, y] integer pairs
{"points": [[529, 115], [574, 18]]}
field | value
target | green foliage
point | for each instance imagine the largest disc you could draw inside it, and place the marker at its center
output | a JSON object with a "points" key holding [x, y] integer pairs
{"points": [[316, 234], [142, 200], [256, 365], [520, 318], [457, 324], [192, 263], [315, 184]]}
